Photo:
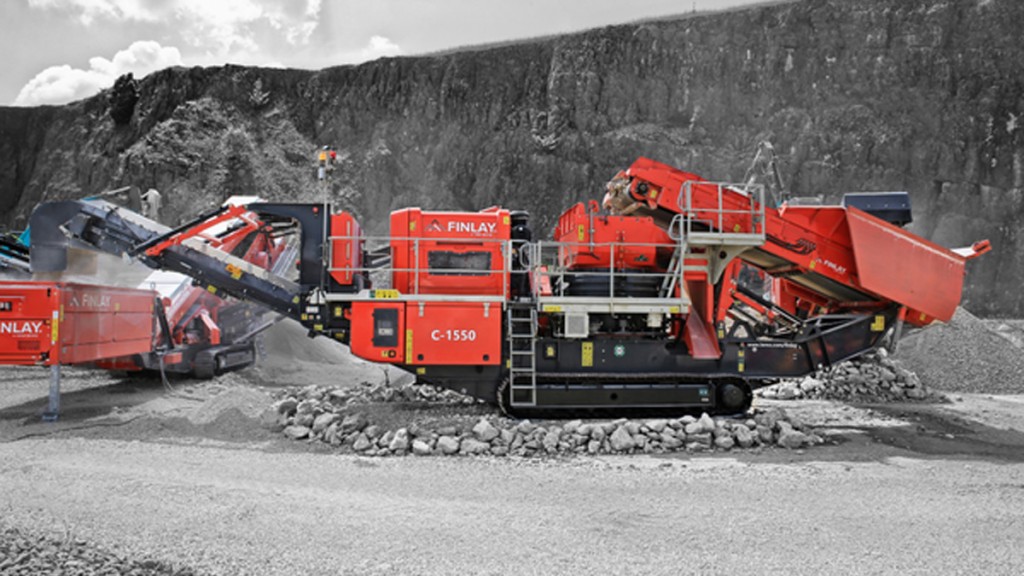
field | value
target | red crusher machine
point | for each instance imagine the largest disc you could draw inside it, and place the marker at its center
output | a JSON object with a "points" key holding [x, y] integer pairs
{"points": [[682, 294], [168, 324]]}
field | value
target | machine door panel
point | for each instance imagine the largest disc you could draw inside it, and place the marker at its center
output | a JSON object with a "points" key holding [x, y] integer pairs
{"points": [[445, 333], [377, 331]]}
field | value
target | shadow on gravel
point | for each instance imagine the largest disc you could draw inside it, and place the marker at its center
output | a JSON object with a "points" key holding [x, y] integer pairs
{"points": [[89, 403], [938, 433]]}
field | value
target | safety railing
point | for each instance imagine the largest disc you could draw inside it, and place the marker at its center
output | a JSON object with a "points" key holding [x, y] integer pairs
{"points": [[720, 213], [420, 280], [545, 269], [562, 266]]}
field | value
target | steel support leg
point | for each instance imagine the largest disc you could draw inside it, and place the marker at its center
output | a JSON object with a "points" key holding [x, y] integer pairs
{"points": [[53, 406]]}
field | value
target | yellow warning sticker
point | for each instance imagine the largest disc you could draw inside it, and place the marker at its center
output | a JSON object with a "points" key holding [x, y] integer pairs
{"points": [[879, 324], [552, 308], [580, 232], [408, 346], [587, 354], [386, 294]]}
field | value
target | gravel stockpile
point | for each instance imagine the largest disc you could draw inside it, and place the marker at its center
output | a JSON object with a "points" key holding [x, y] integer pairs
{"points": [[873, 378], [31, 555], [965, 355], [346, 419]]}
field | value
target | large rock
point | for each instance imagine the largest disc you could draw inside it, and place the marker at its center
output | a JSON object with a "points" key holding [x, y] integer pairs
{"points": [[704, 439], [744, 437], [724, 442], [421, 448], [474, 446], [448, 444], [296, 432], [770, 417], [362, 443], [286, 406], [707, 423], [810, 384], [485, 431], [621, 440], [670, 442], [353, 423], [321, 422], [550, 441], [656, 425], [793, 439], [400, 441]]}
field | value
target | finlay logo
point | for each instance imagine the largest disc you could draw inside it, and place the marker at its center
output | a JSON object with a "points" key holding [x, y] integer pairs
{"points": [[475, 228], [457, 227], [21, 327], [91, 301]]}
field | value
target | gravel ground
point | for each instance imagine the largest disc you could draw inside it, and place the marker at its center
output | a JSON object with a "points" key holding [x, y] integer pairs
{"points": [[188, 480], [228, 509], [31, 554], [965, 355]]}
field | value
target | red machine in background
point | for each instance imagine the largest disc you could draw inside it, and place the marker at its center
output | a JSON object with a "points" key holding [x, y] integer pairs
{"points": [[198, 331], [48, 323], [685, 295], [168, 324]]}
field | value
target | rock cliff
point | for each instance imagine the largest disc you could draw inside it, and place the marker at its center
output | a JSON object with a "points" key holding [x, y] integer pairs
{"points": [[918, 95]]}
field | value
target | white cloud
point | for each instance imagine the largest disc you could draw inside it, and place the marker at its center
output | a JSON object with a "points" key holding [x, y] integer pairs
{"points": [[379, 47], [223, 26], [61, 84], [90, 10]]}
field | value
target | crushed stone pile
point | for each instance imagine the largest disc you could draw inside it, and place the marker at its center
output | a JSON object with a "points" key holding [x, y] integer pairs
{"points": [[342, 418], [30, 554], [875, 377], [966, 355], [294, 359]]}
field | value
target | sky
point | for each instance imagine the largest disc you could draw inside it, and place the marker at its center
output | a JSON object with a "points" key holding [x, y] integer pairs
{"points": [[64, 50]]}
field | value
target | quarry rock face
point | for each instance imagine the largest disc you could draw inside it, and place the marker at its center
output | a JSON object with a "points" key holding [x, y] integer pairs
{"points": [[855, 95]]}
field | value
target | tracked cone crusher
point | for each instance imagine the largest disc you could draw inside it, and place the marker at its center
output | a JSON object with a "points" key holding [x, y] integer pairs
{"points": [[673, 294]]}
